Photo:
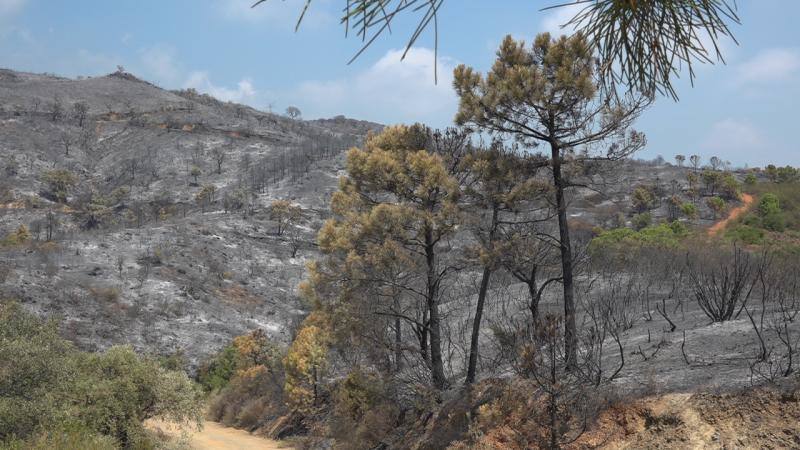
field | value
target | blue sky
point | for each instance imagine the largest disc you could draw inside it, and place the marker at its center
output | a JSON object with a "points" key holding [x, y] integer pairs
{"points": [[745, 112]]}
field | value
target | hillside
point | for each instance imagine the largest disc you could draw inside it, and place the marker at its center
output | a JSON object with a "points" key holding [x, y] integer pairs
{"points": [[123, 249]]}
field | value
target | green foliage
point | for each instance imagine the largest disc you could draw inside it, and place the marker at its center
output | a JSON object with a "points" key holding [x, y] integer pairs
{"points": [[712, 180], [305, 365], [787, 174], [642, 220], [750, 180], [70, 437], [689, 210], [745, 233], [216, 373], [730, 188], [717, 205], [47, 384], [643, 199], [284, 214], [620, 240], [777, 210], [18, 237], [248, 377], [195, 172], [59, 183], [769, 204], [357, 394], [774, 222]]}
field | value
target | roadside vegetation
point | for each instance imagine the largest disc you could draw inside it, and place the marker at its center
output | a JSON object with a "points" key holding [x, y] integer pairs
{"points": [[55, 396]]}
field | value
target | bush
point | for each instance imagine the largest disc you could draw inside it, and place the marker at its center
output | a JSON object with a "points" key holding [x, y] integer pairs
{"points": [[774, 222], [59, 184], [730, 188], [249, 379], [622, 240], [769, 204], [19, 237], [643, 199], [747, 234], [216, 373], [67, 438], [363, 413], [689, 210], [717, 205], [49, 385], [642, 220]]}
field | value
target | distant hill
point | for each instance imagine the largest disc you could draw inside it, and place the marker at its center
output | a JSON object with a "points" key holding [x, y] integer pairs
{"points": [[105, 172]]}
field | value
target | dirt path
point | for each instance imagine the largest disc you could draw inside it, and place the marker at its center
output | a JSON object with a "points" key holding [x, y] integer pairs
{"points": [[747, 200], [217, 437]]}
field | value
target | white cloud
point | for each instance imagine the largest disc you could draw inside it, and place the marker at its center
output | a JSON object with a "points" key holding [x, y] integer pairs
{"points": [[244, 92], [160, 63], [9, 7], [736, 140], [770, 65], [390, 91], [553, 22]]}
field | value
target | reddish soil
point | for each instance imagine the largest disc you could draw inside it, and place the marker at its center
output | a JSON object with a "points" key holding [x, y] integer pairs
{"points": [[747, 200]]}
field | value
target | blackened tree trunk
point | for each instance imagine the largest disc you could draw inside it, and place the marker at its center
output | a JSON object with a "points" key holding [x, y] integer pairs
{"points": [[570, 332], [434, 323], [476, 326]]}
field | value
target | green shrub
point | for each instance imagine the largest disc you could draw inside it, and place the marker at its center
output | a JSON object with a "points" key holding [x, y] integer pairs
{"points": [[730, 188], [216, 373], [66, 438], [689, 210], [717, 205], [48, 385], [642, 199], [642, 220], [746, 234], [621, 240], [769, 204], [774, 222], [59, 184]]}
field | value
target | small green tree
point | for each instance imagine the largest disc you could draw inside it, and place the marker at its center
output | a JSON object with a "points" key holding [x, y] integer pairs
{"points": [[205, 197], [59, 184], [769, 204], [717, 206], [642, 220], [689, 210], [284, 214], [195, 172], [305, 365], [643, 199]]}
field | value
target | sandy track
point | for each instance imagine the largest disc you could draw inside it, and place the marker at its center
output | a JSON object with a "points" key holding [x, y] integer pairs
{"points": [[214, 436], [747, 200]]}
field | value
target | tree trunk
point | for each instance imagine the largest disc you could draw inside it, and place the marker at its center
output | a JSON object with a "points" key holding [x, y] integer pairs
{"points": [[434, 327], [570, 332], [476, 326], [398, 338], [534, 304]]}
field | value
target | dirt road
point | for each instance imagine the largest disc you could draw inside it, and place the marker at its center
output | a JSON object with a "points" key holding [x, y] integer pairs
{"points": [[747, 199], [217, 437]]}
